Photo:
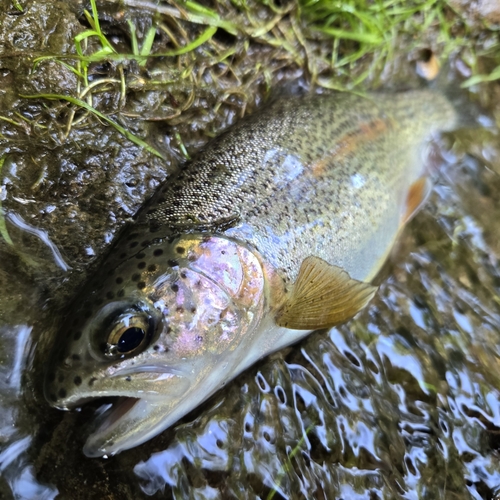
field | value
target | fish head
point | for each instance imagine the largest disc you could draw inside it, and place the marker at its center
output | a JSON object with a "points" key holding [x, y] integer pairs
{"points": [[153, 335]]}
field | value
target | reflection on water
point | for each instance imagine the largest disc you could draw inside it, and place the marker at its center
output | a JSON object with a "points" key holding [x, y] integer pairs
{"points": [[42, 235], [15, 467], [402, 402]]}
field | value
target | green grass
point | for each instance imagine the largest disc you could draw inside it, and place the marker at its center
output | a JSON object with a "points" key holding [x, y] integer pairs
{"points": [[482, 78], [288, 466], [17, 5], [343, 45], [81, 62], [84, 105], [373, 31]]}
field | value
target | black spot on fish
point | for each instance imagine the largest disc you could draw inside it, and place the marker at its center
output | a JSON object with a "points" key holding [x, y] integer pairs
{"points": [[140, 255], [77, 380], [172, 262], [158, 252], [180, 250], [169, 330], [141, 285], [121, 293], [267, 437], [133, 244], [77, 335], [193, 310], [175, 287], [62, 393], [156, 347], [136, 277], [128, 379], [75, 357], [183, 275], [152, 268], [180, 310], [119, 280], [91, 381], [141, 265], [192, 257], [110, 295]]}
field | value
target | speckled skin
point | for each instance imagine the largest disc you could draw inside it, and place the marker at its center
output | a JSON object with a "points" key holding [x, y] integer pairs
{"points": [[319, 175], [215, 252]]}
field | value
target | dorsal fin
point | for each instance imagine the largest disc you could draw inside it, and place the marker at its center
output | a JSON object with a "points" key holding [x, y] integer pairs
{"points": [[323, 296]]}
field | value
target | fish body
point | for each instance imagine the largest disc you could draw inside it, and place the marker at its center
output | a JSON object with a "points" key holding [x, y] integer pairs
{"points": [[275, 229]]}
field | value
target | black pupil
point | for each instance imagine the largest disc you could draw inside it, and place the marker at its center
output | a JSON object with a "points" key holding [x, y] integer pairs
{"points": [[130, 339]]}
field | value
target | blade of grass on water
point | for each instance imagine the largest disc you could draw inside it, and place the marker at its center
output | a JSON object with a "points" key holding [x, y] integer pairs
{"points": [[84, 105]]}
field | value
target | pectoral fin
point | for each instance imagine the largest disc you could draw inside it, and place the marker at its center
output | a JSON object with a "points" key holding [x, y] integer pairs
{"points": [[417, 194], [323, 296]]}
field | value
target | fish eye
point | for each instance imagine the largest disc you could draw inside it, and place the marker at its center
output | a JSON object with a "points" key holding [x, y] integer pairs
{"points": [[129, 333]]}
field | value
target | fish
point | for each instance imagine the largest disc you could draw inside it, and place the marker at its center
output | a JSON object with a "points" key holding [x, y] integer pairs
{"points": [[275, 229]]}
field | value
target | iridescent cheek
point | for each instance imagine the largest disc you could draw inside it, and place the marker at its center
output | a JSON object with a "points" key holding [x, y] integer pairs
{"points": [[196, 307]]}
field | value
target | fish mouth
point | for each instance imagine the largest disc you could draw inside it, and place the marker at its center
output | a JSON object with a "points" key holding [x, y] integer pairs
{"points": [[110, 415], [111, 412], [128, 422], [125, 419]]}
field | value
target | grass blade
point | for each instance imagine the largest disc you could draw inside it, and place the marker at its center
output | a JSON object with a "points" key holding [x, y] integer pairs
{"points": [[84, 105]]}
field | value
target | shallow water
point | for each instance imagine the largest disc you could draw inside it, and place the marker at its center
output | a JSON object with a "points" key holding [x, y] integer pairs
{"points": [[402, 402]]}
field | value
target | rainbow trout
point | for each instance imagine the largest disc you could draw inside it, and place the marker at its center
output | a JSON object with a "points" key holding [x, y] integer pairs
{"points": [[275, 229]]}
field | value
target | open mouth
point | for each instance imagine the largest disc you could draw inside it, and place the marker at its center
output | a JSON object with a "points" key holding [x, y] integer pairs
{"points": [[119, 422], [123, 421], [109, 413], [129, 406]]}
